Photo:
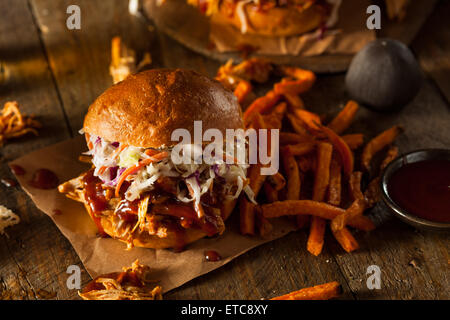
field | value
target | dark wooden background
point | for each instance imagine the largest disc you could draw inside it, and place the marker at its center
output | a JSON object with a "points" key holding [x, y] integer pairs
{"points": [[56, 73]]}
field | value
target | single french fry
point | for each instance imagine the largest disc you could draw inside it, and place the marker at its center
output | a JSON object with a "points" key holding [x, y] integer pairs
{"points": [[377, 144], [272, 122], [346, 155], [227, 208], [247, 217], [311, 120], [298, 73], [373, 192], [304, 79], [279, 111], [258, 122], [263, 225], [355, 185], [247, 209], [115, 51], [274, 119], [291, 87], [307, 162], [316, 235], [270, 192], [344, 118], [315, 208], [297, 126], [277, 181], [242, 90], [321, 292], [346, 239], [356, 209], [294, 102], [322, 177], [301, 149], [292, 175], [390, 156], [256, 179], [296, 207], [261, 105], [321, 181], [354, 141], [334, 188], [361, 222]]}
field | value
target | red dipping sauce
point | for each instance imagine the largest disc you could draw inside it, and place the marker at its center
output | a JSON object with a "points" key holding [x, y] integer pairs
{"points": [[44, 179], [212, 255], [423, 189], [17, 170]]}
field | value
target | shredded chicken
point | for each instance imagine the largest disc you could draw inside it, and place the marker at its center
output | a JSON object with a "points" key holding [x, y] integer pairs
{"points": [[131, 284], [13, 124], [7, 219]]}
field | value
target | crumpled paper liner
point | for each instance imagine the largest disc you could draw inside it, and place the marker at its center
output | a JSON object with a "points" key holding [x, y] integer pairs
{"points": [[348, 36], [105, 255]]}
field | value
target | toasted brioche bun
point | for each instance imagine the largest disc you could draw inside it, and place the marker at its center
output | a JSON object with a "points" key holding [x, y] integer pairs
{"points": [[145, 108], [142, 111], [276, 21]]}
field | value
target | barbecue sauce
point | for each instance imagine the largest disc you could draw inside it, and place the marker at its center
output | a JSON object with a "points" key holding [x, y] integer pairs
{"points": [[212, 256], [128, 210], [209, 224], [423, 189], [44, 179], [177, 216], [95, 197], [17, 170]]}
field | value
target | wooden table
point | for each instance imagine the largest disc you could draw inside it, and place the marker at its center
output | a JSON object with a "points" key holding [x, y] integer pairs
{"points": [[56, 73]]}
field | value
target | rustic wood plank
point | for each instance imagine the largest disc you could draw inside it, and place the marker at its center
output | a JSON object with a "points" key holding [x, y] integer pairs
{"points": [[407, 29], [35, 255], [432, 47], [80, 58]]}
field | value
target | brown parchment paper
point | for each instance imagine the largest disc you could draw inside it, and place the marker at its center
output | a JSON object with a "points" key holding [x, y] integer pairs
{"points": [[347, 36], [104, 255]]}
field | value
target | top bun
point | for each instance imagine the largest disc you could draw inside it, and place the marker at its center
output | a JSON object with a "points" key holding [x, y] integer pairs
{"points": [[145, 108]]}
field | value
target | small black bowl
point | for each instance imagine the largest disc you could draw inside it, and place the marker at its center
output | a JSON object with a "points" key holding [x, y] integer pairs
{"points": [[411, 157]]}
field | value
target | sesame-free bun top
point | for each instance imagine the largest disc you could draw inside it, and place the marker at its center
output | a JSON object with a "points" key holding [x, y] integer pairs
{"points": [[145, 108]]}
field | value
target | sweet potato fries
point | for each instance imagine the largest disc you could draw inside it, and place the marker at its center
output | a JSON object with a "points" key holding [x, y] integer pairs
{"points": [[317, 157]]}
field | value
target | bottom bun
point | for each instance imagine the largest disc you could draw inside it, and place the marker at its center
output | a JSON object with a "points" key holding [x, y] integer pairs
{"points": [[175, 237]]}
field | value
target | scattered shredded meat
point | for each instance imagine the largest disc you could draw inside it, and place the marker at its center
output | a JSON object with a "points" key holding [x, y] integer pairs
{"points": [[131, 284], [13, 124]]}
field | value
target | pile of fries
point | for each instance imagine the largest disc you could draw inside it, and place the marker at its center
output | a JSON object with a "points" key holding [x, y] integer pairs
{"points": [[13, 124], [318, 183]]}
